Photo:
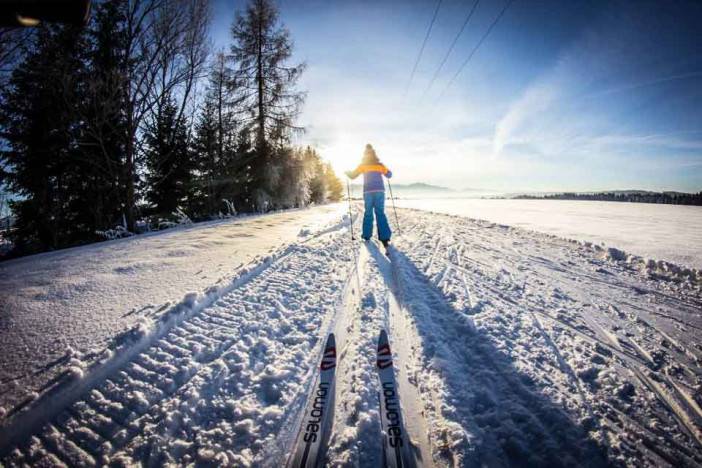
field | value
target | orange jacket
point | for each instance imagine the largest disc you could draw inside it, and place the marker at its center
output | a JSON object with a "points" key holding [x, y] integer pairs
{"points": [[372, 176]]}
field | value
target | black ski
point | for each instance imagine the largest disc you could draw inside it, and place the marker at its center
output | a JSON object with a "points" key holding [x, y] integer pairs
{"points": [[397, 449], [311, 441]]}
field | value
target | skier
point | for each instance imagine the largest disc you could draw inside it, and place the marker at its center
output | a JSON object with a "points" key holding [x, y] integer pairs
{"points": [[373, 194]]}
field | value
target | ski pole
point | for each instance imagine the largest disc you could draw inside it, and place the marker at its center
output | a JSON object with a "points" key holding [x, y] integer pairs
{"points": [[353, 238], [392, 198], [348, 190]]}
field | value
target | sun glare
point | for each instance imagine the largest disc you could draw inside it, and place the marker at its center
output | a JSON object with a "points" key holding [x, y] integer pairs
{"points": [[343, 155]]}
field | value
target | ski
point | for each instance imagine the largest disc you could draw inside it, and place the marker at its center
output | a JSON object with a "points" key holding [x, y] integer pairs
{"points": [[397, 450], [386, 247], [312, 438]]}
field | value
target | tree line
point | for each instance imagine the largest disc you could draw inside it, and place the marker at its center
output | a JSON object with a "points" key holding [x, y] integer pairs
{"points": [[133, 121], [668, 198]]}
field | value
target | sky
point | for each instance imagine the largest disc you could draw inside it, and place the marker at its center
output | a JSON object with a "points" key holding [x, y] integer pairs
{"points": [[576, 95]]}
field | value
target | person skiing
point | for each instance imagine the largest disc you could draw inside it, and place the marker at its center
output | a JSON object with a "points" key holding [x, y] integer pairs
{"points": [[373, 194]]}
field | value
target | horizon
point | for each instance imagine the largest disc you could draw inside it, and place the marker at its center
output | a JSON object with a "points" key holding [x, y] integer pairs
{"points": [[583, 97], [441, 188]]}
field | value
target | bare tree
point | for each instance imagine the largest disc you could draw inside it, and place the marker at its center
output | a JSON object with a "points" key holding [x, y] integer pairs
{"points": [[166, 50], [222, 96]]}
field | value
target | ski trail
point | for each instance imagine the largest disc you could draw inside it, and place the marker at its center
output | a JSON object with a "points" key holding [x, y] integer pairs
{"points": [[573, 318], [567, 369], [356, 437], [486, 379], [404, 343], [512, 349], [334, 323], [687, 415], [31, 419], [218, 385]]}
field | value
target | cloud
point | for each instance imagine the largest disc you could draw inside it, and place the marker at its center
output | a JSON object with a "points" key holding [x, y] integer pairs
{"points": [[536, 99], [646, 83], [550, 113]]}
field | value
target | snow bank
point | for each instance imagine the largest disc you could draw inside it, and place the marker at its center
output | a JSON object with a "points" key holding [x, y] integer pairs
{"points": [[657, 269]]}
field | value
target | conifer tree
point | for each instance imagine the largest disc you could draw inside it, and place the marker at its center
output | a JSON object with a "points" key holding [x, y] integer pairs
{"points": [[335, 189], [103, 138], [266, 86], [39, 121], [168, 162], [206, 162]]}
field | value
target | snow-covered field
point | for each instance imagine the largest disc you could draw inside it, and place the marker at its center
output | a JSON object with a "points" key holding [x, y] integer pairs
{"points": [[513, 347], [661, 232]]}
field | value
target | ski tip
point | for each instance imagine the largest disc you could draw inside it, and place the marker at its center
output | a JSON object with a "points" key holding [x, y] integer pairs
{"points": [[384, 355], [383, 337], [329, 354]]}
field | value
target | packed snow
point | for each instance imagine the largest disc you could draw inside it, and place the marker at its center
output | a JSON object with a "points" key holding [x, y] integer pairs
{"points": [[661, 232], [512, 348], [80, 298]]}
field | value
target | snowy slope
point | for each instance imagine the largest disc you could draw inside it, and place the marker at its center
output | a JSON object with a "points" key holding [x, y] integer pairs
{"points": [[662, 232], [514, 348]]}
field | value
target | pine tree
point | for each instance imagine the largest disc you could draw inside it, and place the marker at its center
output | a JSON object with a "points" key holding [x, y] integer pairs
{"points": [[335, 189], [222, 148], [318, 182], [261, 50], [39, 123], [13, 45], [205, 153], [238, 172], [104, 135], [168, 162]]}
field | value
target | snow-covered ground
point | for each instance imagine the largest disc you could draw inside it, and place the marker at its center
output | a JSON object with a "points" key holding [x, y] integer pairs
{"points": [[513, 348], [661, 232], [81, 298]]}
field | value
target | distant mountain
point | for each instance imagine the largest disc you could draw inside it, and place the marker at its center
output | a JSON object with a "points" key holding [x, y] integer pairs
{"points": [[471, 189], [420, 186], [419, 189]]}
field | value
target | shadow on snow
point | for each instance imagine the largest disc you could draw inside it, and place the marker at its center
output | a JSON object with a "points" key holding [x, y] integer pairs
{"points": [[507, 420]]}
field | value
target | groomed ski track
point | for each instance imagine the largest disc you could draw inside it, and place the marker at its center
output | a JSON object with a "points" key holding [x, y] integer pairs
{"points": [[219, 379], [356, 438], [513, 348]]}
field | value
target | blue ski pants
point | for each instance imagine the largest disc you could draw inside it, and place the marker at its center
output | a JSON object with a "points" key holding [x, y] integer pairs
{"points": [[374, 202]]}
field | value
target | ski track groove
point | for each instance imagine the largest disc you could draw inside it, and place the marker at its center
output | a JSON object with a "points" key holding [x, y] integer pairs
{"points": [[181, 361], [678, 407], [355, 438], [564, 366], [404, 343]]}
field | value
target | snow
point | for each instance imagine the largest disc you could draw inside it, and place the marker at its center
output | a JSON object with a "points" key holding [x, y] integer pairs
{"points": [[512, 347], [662, 232], [80, 298]]}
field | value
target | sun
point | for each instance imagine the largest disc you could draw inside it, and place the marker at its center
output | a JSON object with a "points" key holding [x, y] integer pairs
{"points": [[343, 155]]}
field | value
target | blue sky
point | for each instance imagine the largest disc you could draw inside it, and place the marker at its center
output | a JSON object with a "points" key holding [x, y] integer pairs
{"points": [[576, 95]]}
